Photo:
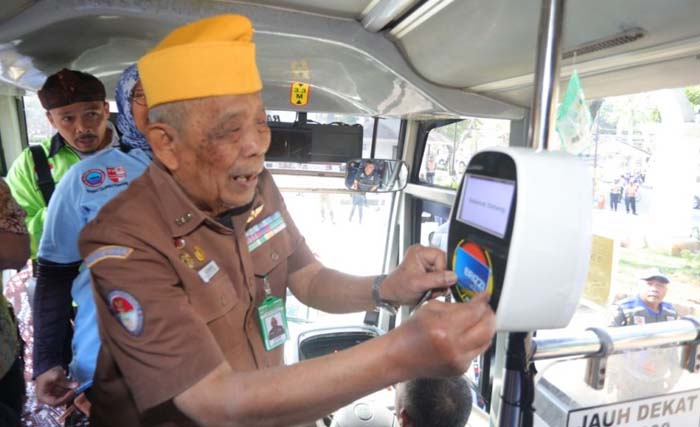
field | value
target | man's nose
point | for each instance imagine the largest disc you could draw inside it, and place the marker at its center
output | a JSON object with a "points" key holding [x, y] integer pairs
{"points": [[82, 126]]}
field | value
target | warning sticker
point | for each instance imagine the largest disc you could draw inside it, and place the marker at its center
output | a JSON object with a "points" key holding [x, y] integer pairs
{"points": [[299, 94]]}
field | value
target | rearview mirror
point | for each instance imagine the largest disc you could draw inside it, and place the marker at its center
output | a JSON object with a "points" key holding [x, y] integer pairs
{"points": [[375, 175]]}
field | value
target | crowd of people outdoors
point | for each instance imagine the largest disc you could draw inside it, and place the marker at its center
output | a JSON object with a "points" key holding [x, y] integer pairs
{"points": [[144, 313], [625, 189]]}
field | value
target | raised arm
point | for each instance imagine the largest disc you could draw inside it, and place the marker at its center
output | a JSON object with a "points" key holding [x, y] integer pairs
{"points": [[439, 341]]}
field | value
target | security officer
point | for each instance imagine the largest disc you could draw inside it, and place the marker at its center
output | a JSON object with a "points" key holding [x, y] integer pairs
{"points": [[183, 288], [648, 305], [75, 106], [653, 371], [84, 189]]}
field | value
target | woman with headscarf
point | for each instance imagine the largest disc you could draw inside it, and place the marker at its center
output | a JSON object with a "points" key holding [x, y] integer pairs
{"points": [[133, 112], [84, 190]]}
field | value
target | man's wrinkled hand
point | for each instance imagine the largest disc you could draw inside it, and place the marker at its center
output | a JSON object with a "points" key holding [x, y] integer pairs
{"points": [[441, 339], [422, 269], [53, 387]]}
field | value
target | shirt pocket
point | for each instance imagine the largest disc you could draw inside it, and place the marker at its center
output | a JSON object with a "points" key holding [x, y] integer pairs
{"points": [[214, 299], [270, 262]]}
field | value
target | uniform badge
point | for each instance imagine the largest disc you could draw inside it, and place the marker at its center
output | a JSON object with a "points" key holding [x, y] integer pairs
{"points": [[179, 243], [639, 320], [254, 214], [208, 271], [93, 177], [127, 310], [199, 253], [116, 174], [187, 259], [264, 230]]}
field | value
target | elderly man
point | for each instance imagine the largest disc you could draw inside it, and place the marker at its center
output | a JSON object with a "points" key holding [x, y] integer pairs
{"points": [[648, 305], [184, 286], [75, 106]]}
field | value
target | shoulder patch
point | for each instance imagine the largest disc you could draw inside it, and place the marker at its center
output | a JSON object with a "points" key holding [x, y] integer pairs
{"points": [[116, 174], [106, 252], [93, 177], [126, 308]]}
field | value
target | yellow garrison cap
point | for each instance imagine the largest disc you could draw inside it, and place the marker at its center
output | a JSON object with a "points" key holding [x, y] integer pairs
{"points": [[210, 57]]}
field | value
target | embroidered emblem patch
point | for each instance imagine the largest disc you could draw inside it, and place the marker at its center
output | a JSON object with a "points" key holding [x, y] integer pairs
{"points": [[639, 320], [93, 177], [264, 230], [116, 174], [106, 252], [127, 310]]}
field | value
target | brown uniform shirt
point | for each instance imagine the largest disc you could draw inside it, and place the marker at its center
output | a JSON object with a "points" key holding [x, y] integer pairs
{"points": [[177, 292]]}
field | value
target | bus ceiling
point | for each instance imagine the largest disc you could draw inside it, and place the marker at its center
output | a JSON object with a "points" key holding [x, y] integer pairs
{"points": [[399, 58]]}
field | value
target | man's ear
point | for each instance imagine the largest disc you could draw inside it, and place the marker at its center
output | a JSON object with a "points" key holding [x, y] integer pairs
{"points": [[106, 107], [162, 137], [49, 117]]}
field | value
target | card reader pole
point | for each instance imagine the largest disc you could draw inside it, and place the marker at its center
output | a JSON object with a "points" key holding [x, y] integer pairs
{"points": [[518, 383]]}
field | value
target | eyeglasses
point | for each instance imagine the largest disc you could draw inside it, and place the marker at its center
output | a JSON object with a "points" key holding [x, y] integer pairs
{"points": [[139, 98]]}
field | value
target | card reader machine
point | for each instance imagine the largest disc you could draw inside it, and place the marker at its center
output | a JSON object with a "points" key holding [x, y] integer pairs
{"points": [[520, 229]]}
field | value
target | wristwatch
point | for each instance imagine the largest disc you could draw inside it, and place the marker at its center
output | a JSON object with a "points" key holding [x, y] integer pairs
{"points": [[378, 301]]}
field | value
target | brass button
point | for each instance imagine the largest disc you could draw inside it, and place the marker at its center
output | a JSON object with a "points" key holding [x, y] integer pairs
{"points": [[274, 256]]}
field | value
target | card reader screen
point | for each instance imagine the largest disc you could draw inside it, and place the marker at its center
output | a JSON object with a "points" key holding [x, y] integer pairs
{"points": [[485, 203]]}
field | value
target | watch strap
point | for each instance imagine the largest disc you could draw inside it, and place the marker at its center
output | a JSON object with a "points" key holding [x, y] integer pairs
{"points": [[378, 301]]}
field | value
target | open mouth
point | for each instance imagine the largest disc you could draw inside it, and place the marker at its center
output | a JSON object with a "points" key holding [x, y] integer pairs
{"points": [[245, 178]]}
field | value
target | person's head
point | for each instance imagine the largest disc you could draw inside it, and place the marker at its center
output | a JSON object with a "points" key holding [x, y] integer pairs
{"points": [[132, 120], [273, 322], [432, 402], [207, 120], [75, 106], [653, 288], [369, 168]]}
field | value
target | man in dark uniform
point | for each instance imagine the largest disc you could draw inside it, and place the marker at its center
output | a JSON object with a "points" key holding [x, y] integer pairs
{"points": [[199, 251], [649, 372], [648, 305]]}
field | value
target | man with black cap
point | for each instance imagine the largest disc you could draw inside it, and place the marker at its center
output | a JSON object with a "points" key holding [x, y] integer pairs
{"points": [[653, 371], [184, 287], [648, 305], [75, 106]]}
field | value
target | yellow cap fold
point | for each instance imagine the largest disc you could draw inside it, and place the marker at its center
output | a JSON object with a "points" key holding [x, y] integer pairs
{"points": [[210, 57]]}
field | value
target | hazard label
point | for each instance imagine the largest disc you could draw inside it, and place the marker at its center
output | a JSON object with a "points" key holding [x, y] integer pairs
{"points": [[299, 94]]}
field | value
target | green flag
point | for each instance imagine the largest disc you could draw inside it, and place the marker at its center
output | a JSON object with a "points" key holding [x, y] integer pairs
{"points": [[574, 118]]}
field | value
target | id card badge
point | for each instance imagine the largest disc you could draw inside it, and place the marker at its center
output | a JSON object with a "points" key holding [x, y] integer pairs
{"points": [[273, 322]]}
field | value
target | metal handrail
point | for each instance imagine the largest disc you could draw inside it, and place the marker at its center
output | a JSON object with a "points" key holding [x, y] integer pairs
{"points": [[624, 338]]}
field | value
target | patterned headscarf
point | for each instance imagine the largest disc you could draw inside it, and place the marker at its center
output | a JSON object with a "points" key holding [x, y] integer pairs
{"points": [[131, 136]]}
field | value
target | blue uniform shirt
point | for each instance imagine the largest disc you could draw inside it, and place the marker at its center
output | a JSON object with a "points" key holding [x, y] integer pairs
{"points": [[79, 196], [633, 311]]}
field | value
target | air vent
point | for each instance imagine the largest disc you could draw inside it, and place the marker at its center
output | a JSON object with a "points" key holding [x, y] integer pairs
{"points": [[625, 37]]}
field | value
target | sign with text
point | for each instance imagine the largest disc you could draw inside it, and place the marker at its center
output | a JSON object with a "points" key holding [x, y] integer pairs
{"points": [[670, 410], [486, 204]]}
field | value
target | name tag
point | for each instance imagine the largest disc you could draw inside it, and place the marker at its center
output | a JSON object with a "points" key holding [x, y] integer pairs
{"points": [[208, 271], [264, 230]]}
